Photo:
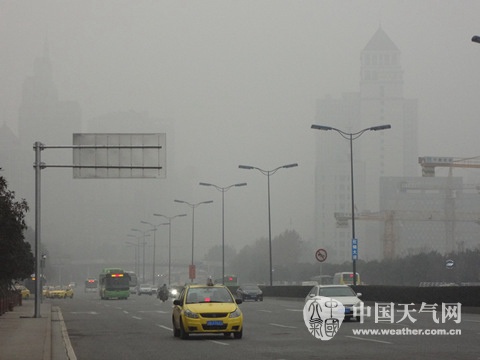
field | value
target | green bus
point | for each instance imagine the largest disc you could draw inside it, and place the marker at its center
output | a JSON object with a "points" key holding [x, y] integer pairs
{"points": [[114, 284]]}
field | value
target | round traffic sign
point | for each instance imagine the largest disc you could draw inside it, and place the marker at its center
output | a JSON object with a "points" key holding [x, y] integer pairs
{"points": [[449, 264], [321, 255]]}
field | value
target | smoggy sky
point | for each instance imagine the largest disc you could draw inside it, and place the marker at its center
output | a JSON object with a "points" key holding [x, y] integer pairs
{"points": [[238, 82]]}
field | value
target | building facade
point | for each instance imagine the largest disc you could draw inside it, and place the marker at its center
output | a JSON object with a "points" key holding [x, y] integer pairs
{"points": [[380, 100]]}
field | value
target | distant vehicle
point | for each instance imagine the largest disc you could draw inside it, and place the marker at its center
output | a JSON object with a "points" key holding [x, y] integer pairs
{"points": [[69, 292], [114, 284], [228, 280], [133, 283], [73, 284], [146, 289], [345, 278], [342, 293], [207, 309], [23, 290], [58, 292], [91, 285], [249, 292], [323, 279]]}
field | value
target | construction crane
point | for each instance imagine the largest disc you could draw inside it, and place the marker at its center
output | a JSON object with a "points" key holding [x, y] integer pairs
{"points": [[449, 216], [388, 217], [429, 163]]}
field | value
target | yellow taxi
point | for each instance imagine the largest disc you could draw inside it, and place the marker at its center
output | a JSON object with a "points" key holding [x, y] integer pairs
{"points": [[24, 291], [46, 290], [207, 309], [57, 293], [69, 292]]}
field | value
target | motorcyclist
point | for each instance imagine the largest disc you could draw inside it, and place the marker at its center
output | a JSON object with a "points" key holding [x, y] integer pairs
{"points": [[163, 293]]}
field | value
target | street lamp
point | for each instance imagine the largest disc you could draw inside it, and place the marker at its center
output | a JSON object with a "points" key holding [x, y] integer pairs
{"points": [[154, 229], [223, 190], [268, 173], [193, 206], [170, 218], [476, 38], [351, 137], [144, 232]]}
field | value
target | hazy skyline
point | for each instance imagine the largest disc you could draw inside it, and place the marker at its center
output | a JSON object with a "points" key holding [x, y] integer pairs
{"points": [[236, 82]]}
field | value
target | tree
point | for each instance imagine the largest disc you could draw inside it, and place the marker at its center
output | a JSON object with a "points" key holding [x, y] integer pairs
{"points": [[16, 257]]}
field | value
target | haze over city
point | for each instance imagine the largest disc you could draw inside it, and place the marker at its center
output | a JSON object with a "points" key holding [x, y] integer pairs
{"points": [[230, 83]]}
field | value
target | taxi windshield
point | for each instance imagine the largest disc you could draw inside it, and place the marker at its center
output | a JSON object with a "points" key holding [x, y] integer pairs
{"points": [[208, 295]]}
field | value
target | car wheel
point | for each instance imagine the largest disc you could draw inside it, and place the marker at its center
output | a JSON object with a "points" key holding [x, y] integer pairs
{"points": [[358, 318], [183, 333], [238, 335], [176, 332]]}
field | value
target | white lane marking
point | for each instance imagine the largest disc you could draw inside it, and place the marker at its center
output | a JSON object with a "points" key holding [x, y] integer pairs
{"points": [[218, 342], [477, 321], [84, 312], [136, 317], [373, 340], [66, 339], [283, 326], [294, 310], [267, 311], [155, 311], [125, 311], [165, 327]]}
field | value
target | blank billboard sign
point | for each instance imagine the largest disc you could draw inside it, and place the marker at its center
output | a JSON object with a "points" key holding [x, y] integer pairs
{"points": [[115, 156]]}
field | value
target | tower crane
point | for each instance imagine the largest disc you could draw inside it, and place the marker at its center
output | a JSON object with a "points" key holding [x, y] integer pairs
{"points": [[448, 216]]}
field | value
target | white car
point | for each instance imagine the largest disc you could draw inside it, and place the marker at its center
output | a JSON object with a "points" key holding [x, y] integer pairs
{"points": [[342, 293], [145, 289]]}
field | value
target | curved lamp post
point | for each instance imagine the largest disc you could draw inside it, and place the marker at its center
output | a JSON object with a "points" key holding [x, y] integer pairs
{"points": [[193, 206], [223, 190], [154, 229], [351, 137], [169, 218], [268, 173]]}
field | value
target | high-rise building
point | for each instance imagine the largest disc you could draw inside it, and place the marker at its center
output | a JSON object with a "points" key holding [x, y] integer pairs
{"points": [[393, 152]]}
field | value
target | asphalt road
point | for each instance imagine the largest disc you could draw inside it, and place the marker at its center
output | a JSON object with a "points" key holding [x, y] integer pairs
{"points": [[140, 328]]}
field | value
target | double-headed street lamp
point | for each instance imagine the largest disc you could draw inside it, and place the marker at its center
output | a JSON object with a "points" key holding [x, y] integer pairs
{"points": [[154, 229], [193, 206], [144, 233], [268, 173], [351, 137], [169, 218], [223, 190]]}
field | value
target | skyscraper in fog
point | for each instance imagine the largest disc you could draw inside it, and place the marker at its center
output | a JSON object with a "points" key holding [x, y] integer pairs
{"points": [[393, 152]]}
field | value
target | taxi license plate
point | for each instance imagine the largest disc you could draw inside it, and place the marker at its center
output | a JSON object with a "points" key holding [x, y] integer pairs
{"points": [[214, 323]]}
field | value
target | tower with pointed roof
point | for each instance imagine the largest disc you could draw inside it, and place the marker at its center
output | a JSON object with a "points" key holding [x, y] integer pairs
{"points": [[393, 152]]}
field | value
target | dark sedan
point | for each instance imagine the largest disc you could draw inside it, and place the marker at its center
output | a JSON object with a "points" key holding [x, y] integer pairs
{"points": [[250, 292]]}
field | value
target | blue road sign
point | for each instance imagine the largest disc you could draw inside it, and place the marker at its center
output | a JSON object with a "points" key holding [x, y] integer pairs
{"points": [[354, 249]]}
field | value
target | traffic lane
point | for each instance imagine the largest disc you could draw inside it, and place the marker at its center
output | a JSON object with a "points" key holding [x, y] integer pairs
{"points": [[279, 314], [134, 328], [275, 329]]}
